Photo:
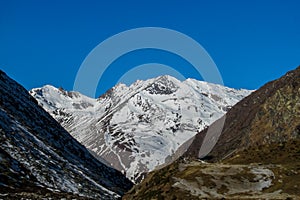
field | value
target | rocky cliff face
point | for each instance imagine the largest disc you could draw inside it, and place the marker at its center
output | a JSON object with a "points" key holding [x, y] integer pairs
{"points": [[38, 157], [258, 152]]}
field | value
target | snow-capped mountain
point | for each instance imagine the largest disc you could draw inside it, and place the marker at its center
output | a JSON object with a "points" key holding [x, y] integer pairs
{"points": [[39, 157], [257, 155], [139, 127]]}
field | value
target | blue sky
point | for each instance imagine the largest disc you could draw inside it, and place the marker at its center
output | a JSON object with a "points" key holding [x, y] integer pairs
{"points": [[45, 42]]}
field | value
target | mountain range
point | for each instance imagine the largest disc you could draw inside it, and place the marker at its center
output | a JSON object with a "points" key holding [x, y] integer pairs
{"points": [[257, 155], [139, 127], [173, 139]]}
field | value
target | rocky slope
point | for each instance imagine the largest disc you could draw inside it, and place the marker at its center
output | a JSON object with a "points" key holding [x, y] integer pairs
{"points": [[39, 158], [269, 115], [256, 157], [137, 128]]}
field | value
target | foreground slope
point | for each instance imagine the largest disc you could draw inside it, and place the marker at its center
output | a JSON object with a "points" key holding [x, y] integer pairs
{"points": [[137, 128], [38, 156], [256, 157]]}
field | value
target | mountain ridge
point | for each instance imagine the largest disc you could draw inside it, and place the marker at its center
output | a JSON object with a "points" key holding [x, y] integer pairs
{"points": [[256, 157], [164, 110], [38, 154], [257, 105]]}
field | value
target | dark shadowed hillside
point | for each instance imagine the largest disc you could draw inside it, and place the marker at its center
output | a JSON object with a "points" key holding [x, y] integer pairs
{"points": [[39, 158]]}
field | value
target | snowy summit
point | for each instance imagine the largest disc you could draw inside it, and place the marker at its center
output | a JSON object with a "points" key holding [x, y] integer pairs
{"points": [[137, 128]]}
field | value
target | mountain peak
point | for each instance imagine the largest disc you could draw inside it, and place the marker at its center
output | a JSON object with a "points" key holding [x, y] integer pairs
{"points": [[137, 128], [168, 78], [163, 85], [257, 155]]}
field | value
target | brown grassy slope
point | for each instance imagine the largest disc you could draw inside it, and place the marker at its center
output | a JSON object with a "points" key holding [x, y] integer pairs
{"points": [[282, 159]]}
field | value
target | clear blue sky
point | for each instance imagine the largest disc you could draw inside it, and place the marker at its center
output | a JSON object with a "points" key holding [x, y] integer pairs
{"points": [[45, 42]]}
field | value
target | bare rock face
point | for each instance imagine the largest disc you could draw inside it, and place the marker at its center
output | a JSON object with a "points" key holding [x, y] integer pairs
{"points": [[137, 128], [39, 158]]}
